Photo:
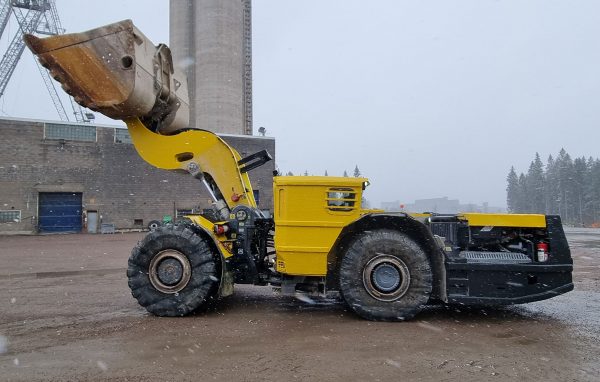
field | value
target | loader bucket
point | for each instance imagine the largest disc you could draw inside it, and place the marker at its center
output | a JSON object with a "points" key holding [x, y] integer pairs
{"points": [[117, 71]]}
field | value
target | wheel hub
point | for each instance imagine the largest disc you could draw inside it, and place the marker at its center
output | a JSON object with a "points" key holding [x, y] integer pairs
{"points": [[170, 271], [386, 277]]}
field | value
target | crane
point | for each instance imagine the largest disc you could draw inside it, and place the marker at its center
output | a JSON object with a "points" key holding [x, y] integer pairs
{"points": [[4, 14], [41, 17]]}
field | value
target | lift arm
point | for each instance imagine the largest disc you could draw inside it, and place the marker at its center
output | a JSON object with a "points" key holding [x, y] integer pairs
{"points": [[119, 72], [202, 154]]}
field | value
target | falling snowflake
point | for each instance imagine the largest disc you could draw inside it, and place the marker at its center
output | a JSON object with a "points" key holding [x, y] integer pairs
{"points": [[3, 344], [102, 365]]}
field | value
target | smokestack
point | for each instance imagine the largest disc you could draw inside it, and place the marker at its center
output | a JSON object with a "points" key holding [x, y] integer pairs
{"points": [[211, 41]]}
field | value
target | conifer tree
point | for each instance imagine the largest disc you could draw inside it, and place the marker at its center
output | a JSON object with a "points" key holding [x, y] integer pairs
{"points": [[593, 192], [522, 202], [566, 187], [551, 191], [578, 178], [535, 186], [512, 190], [566, 198]]}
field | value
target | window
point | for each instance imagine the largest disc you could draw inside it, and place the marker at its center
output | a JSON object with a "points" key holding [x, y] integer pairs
{"points": [[341, 199], [11, 216], [183, 212], [122, 136], [70, 132]]}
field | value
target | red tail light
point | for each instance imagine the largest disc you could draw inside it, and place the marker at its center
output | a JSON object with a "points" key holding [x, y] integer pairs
{"points": [[542, 252], [221, 229]]}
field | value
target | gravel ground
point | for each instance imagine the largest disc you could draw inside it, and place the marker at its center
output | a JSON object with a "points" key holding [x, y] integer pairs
{"points": [[66, 314]]}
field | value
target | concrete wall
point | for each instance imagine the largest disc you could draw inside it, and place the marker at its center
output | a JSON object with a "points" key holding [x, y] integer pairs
{"points": [[114, 180], [211, 41]]}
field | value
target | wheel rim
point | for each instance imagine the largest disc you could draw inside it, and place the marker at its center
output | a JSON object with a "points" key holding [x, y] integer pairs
{"points": [[386, 278], [170, 271]]}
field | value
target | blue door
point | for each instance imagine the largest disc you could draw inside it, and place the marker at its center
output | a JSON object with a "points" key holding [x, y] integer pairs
{"points": [[60, 212]]}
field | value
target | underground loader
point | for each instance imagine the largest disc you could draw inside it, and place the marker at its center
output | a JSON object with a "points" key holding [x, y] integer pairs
{"points": [[386, 266]]}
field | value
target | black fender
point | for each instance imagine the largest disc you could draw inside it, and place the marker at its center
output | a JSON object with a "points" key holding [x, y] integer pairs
{"points": [[401, 222]]}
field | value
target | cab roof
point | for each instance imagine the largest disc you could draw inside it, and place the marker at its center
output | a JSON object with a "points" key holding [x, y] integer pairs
{"points": [[333, 181]]}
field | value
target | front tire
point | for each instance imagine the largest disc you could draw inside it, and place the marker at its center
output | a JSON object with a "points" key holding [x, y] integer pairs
{"points": [[153, 225], [173, 271], [385, 276]]}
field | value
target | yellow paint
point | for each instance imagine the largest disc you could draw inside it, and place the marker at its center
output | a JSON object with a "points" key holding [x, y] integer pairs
{"points": [[207, 150], [419, 215], [308, 219], [310, 211], [209, 227], [497, 220], [505, 220]]}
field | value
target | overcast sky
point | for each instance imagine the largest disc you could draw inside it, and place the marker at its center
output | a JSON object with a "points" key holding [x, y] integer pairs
{"points": [[428, 98]]}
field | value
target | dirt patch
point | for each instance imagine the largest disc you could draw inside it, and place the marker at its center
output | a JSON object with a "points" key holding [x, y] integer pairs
{"points": [[66, 314]]}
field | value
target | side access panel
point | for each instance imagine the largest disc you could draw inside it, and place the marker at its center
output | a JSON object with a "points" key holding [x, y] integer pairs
{"points": [[310, 214]]}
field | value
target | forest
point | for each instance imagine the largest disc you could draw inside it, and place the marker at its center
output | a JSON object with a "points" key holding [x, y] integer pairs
{"points": [[562, 186]]}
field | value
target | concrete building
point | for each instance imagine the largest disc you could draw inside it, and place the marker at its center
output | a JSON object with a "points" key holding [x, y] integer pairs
{"points": [[71, 177], [211, 40], [436, 205], [441, 205]]}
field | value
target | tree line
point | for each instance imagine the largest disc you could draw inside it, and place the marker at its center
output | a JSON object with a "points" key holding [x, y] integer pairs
{"points": [[356, 173], [563, 186]]}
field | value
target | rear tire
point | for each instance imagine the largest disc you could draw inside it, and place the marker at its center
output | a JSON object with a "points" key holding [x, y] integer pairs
{"points": [[385, 276], [153, 225], [173, 271]]}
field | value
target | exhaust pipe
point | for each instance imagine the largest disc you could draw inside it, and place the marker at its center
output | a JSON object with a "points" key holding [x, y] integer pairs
{"points": [[117, 71]]}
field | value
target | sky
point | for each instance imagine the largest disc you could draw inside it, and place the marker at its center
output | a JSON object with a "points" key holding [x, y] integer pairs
{"points": [[428, 98]]}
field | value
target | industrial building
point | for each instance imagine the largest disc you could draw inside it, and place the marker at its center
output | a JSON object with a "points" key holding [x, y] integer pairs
{"points": [[71, 177]]}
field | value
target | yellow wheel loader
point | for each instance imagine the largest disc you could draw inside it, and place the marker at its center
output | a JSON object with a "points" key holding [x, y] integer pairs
{"points": [[386, 266]]}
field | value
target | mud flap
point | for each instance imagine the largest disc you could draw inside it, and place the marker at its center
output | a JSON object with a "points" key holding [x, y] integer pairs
{"points": [[226, 285]]}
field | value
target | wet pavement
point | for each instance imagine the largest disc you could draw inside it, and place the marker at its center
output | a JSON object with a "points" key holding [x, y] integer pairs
{"points": [[66, 314]]}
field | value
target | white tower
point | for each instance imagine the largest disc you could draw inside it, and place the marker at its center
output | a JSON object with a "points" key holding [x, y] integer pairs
{"points": [[211, 40]]}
